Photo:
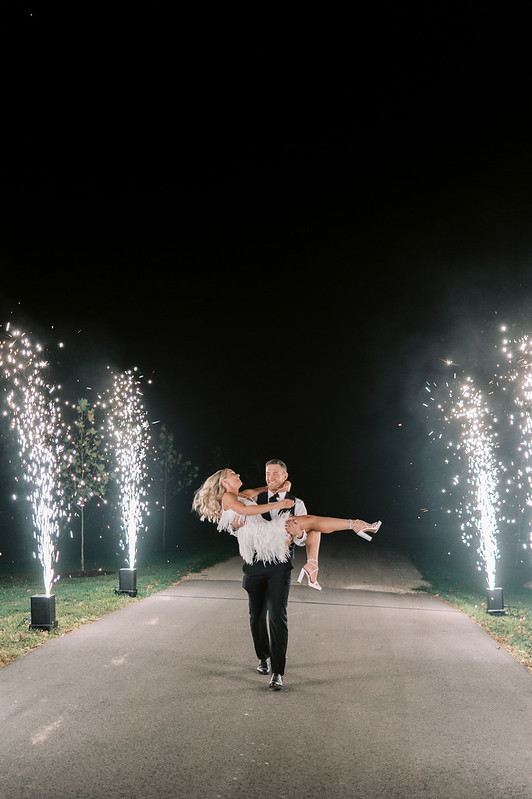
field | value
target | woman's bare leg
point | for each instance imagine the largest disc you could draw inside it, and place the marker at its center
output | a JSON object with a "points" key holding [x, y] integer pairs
{"points": [[312, 545], [329, 524], [314, 526]]}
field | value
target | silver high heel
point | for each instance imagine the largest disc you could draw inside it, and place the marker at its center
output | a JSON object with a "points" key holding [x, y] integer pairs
{"points": [[363, 533], [303, 572]]}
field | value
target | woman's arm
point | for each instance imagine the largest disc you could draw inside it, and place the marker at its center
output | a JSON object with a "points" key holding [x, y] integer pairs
{"points": [[230, 500], [251, 493]]}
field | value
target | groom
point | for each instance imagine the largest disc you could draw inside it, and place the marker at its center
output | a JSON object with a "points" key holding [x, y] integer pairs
{"points": [[268, 584]]}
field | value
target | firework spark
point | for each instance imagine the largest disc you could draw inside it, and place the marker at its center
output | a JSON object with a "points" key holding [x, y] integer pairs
{"points": [[518, 378], [127, 425], [520, 375], [479, 503], [34, 411]]}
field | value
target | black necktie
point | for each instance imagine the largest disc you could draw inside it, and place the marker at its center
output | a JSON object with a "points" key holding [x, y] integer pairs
{"points": [[274, 498]]}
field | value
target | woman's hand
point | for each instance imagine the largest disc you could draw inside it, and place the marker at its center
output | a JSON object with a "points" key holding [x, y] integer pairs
{"points": [[286, 486], [282, 504]]}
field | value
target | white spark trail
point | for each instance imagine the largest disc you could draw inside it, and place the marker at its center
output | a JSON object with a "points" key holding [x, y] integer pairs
{"points": [[128, 425], [520, 376], [36, 417], [480, 503]]}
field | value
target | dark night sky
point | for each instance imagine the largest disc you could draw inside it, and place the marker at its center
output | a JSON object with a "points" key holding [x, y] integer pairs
{"points": [[287, 217]]}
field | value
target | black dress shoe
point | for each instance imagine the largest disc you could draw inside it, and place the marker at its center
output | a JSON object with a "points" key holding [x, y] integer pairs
{"points": [[263, 667], [276, 682]]}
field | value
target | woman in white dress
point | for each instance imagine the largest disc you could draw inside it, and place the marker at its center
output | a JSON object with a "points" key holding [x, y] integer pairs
{"points": [[220, 500]]}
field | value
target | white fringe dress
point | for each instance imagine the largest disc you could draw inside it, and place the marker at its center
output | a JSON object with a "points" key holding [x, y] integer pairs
{"points": [[258, 539]]}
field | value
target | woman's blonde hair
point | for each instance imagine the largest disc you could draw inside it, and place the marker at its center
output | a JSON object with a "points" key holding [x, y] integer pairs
{"points": [[208, 498]]}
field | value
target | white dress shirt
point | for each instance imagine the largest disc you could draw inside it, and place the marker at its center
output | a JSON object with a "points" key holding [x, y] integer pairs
{"points": [[299, 510]]}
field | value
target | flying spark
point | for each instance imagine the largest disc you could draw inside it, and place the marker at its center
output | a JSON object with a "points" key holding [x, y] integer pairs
{"points": [[479, 503], [127, 424], [519, 375], [36, 418]]}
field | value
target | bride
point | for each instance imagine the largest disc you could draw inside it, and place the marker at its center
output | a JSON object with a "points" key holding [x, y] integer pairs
{"points": [[220, 500]]}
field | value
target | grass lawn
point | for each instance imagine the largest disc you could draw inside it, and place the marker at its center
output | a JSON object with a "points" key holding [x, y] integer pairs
{"points": [[513, 630], [80, 600]]}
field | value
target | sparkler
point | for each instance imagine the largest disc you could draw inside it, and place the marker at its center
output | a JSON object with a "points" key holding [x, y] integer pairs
{"points": [[479, 504], [127, 425], [36, 418]]}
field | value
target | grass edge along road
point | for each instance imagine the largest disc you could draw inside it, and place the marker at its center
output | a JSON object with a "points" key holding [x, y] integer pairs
{"points": [[513, 630], [82, 600]]}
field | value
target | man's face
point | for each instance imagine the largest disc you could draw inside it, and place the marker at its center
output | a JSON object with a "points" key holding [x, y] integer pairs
{"points": [[275, 476]]}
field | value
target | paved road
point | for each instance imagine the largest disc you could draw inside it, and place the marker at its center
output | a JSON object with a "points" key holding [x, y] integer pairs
{"points": [[389, 693]]}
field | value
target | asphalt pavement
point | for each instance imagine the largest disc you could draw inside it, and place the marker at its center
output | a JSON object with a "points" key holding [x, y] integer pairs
{"points": [[389, 692]]}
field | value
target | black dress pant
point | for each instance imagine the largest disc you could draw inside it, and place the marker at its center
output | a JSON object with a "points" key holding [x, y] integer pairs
{"points": [[267, 586]]}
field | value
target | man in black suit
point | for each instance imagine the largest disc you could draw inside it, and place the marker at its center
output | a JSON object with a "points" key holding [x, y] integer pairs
{"points": [[268, 584]]}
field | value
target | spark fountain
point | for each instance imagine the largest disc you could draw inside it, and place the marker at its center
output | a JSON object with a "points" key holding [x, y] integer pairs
{"points": [[127, 425], [519, 356], [36, 418], [479, 502]]}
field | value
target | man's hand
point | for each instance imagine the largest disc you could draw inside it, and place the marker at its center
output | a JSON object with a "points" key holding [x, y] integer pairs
{"points": [[238, 522], [293, 527]]}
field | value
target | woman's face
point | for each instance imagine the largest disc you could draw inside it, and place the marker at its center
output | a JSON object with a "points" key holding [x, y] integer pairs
{"points": [[232, 481]]}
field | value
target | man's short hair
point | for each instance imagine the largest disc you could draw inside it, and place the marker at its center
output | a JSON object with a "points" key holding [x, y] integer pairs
{"points": [[277, 462]]}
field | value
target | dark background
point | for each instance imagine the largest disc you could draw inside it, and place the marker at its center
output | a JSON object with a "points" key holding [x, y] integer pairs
{"points": [[285, 219]]}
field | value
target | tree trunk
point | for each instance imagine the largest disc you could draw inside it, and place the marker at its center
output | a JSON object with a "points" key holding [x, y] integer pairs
{"points": [[165, 495], [82, 541], [164, 518]]}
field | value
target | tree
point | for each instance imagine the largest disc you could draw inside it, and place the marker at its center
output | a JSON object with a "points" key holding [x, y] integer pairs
{"points": [[173, 474], [85, 475]]}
